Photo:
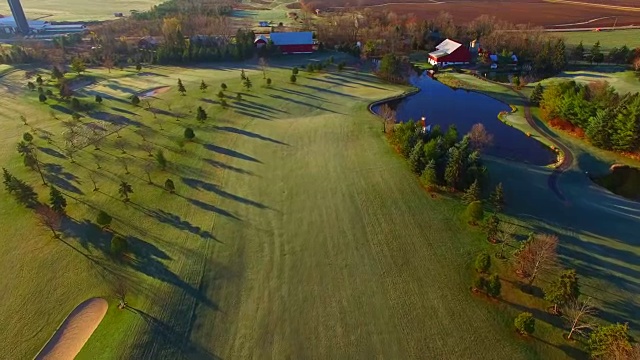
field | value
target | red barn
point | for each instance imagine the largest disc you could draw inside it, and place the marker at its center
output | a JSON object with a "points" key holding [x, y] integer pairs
{"points": [[450, 52], [293, 42]]}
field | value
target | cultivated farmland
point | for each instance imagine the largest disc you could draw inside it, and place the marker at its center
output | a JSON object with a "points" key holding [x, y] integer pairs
{"points": [[78, 10]]}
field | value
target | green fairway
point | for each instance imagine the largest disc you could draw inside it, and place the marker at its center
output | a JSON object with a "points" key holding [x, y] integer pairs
{"points": [[78, 10], [624, 81], [608, 38], [295, 230]]}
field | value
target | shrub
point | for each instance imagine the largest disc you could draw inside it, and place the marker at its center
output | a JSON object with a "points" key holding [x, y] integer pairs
{"points": [[160, 159], [525, 323], [223, 86], [135, 100], [293, 78], [483, 262], [493, 286], [75, 103], [169, 186], [42, 98], [49, 92], [98, 99], [480, 283], [475, 212], [294, 71], [189, 134], [310, 68], [103, 219], [268, 81], [118, 245]]}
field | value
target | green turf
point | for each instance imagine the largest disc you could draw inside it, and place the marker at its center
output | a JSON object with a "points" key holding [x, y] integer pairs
{"points": [[624, 81], [608, 39], [78, 10], [295, 231]]}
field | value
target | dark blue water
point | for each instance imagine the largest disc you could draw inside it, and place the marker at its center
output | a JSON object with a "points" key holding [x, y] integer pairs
{"points": [[442, 105]]}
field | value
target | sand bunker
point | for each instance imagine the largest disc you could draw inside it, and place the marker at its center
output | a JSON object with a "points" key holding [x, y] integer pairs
{"points": [[74, 332], [153, 92]]}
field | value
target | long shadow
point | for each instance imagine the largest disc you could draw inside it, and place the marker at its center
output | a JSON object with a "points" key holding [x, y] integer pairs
{"points": [[332, 82], [262, 107], [232, 153], [113, 118], [249, 134], [221, 165], [248, 105], [247, 113], [51, 152], [124, 111], [61, 108], [303, 94], [303, 103], [177, 222], [212, 208], [199, 184], [56, 175]]}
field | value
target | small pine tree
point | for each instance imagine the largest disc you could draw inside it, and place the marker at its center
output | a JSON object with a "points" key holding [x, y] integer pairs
{"points": [[310, 68], [536, 95], [341, 66], [223, 86], [293, 78], [138, 67], [429, 177], [493, 286], [220, 94], [525, 323], [201, 115], [268, 81], [57, 200], [243, 76], [294, 71], [8, 181], [497, 198], [473, 193], [483, 262], [103, 219], [239, 97], [181, 88], [31, 86], [480, 283], [160, 159], [224, 104], [119, 245], [42, 98], [203, 86], [493, 227], [189, 134], [78, 65], [169, 186], [563, 290], [39, 80], [135, 100], [56, 73], [416, 158], [475, 212], [247, 83], [27, 137], [98, 99], [75, 103]]}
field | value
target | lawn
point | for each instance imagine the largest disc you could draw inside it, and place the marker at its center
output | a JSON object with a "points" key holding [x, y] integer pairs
{"points": [[295, 230], [595, 226], [624, 81], [608, 39], [78, 10]]}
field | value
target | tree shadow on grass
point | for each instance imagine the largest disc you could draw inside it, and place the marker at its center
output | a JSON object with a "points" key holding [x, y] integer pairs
{"points": [[221, 165], [62, 109], [302, 103], [338, 83], [56, 175], [212, 208], [304, 94], [249, 134], [175, 221], [231, 153], [52, 152], [199, 184], [113, 118], [128, 112]]}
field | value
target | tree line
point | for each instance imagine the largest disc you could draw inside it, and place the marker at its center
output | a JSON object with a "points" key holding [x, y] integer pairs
{"points": [[596, 110]]}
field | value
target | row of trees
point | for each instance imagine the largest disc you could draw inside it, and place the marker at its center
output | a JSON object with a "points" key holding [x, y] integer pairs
{"points": [[609, 120], [622, 55]]}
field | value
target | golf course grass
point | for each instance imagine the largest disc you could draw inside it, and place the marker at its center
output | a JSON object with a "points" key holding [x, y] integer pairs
{"points": [[294, 230], [608, 39]]}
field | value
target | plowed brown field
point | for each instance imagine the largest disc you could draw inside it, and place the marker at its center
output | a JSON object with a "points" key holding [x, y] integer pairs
{"points": [[548, 13]]}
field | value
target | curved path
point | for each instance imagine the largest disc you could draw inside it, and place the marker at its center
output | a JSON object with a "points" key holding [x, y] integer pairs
{"points": [[567, 160], [74, 332]]}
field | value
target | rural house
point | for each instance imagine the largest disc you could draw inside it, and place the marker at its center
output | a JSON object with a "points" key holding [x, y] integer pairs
{"points": [[293, 42], [449, 52]]}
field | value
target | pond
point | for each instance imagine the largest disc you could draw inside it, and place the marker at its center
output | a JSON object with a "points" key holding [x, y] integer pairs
{"points": [[444, 106]]}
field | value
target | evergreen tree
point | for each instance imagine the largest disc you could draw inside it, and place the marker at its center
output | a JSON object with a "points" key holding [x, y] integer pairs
{"points": [[189, 134], [242, 75], [56, 73], [203, 86], [525, 323], [536, 95], [493, 286], [98, 99], [57, 200], [181, 88], [497, 198], [429, 176], [170, 186], [294, 71], [247, 83], [578, 52], [416, 158], [39, 80], [201, 115], [8, 181], [493, 227], [475, 212], [220, 95], [598, 130], [135, 100], [160, 159], [78, 65], [223, 86], [239, 97], [626, 133], [563, 289], [293, 78], [596, 53], [483, 262], [473, 193], [42, 98], [103, 219]]}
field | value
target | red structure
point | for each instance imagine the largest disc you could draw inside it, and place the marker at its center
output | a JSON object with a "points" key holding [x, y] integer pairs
{"points": [[292, 42], [449, 52]]}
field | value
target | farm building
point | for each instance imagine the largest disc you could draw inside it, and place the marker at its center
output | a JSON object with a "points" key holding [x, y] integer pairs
{"points": [[449, 52], [293, 42], [260, 41]]}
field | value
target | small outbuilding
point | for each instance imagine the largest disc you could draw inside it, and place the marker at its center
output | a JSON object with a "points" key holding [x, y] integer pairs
{"points": [[260, 41], [450, 52]]}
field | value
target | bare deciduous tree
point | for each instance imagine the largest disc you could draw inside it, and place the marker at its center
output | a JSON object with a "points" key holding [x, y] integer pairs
{"points": [[578, 315], [263, 66], [49, 219], [148, 167], [121, 145], [537, 255], [479, 137], [147, 147], [388, 117], [92, 177], [505, 236]]}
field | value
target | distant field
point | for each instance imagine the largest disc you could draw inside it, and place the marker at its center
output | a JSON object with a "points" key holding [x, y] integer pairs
{"points": [[608, 39], [78, 9], [517, 11]]}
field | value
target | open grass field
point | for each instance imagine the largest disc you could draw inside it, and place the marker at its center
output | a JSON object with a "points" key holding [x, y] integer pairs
{"points": [[543, 13], [608, 39], [295, 230], [77, 10], [624, 81]]}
